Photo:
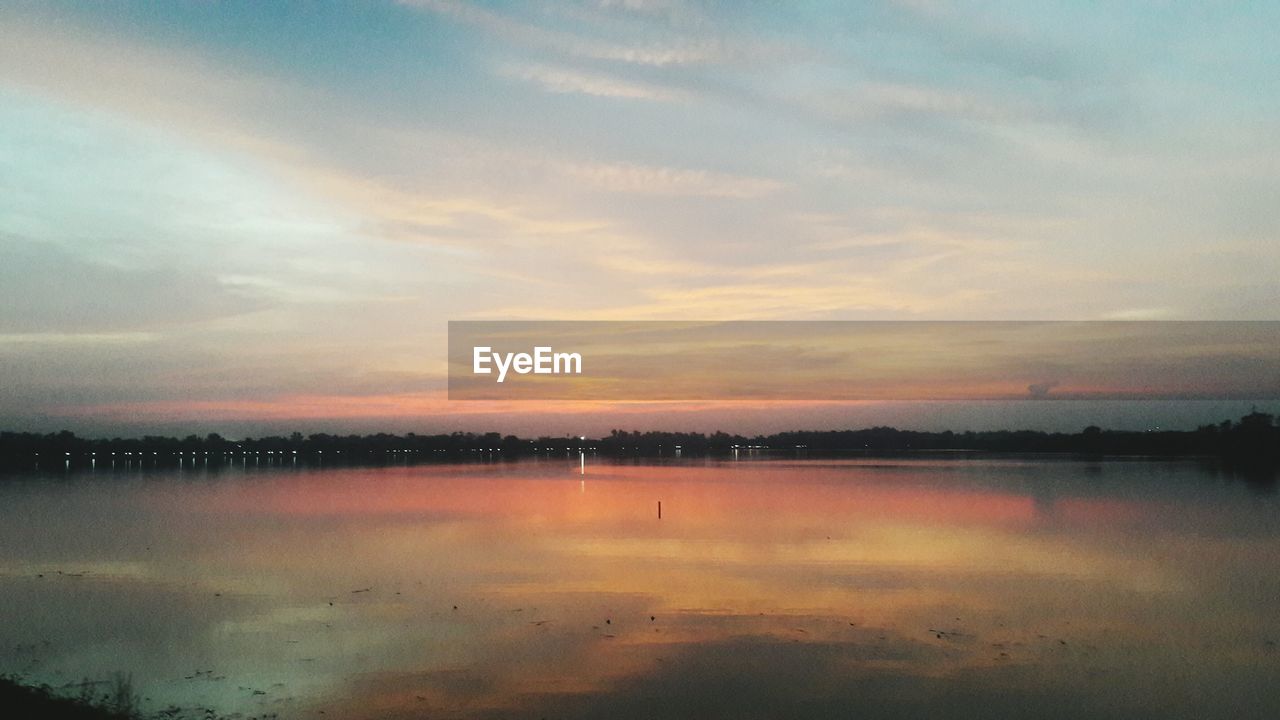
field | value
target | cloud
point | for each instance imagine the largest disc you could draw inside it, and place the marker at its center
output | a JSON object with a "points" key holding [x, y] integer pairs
{"points": [[652, 180], [748, 298], [1002, 42], [568, 81], [144, 81], [1139, 314], [659, 54], [459, 220], [60, 338], [50, 294], [1040, 390], [879, 97]]}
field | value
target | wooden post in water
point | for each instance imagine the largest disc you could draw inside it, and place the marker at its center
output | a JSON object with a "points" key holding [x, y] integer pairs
{"points": [[659, 509]]}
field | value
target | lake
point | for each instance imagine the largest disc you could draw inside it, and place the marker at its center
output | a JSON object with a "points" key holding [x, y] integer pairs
{"points": [[943, 587]]}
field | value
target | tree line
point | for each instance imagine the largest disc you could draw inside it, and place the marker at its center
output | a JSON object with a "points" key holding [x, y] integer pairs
{"points": [[1254, 436]]}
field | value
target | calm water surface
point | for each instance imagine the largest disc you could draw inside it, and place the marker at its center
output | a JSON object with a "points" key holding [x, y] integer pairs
{"points": [[838, 588]]}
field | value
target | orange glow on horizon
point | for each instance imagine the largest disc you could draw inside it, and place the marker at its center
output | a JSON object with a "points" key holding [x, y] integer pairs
{"points": [[410, 405]]}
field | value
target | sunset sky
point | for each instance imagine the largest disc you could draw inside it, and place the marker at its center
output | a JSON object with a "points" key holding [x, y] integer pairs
{"points": [[248, 217]]}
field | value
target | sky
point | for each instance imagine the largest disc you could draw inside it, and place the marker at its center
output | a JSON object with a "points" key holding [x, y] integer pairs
{"points": [[246, 217]]}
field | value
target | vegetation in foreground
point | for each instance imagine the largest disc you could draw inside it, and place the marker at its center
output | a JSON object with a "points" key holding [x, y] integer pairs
{"points": [[112, 699], [116, 702]]}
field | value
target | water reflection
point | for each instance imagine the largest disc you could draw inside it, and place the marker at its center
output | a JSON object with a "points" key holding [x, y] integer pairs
{"points": [[890, 588]]}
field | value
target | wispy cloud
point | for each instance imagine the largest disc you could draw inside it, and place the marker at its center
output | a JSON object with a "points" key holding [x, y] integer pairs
{"points": [[568, 81], [59, 338], [658, 54], [459, 221], [655, 180], [878, 98]]}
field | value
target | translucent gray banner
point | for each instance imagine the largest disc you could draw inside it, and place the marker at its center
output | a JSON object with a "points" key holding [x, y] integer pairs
{"points": [[835, 360]]}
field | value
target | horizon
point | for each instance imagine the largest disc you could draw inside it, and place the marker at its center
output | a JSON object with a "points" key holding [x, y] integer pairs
{"points": [[300, 434]]}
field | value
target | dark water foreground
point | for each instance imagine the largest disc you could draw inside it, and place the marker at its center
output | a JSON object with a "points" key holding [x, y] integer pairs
{"points": [[954, 588]]}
